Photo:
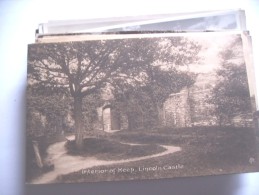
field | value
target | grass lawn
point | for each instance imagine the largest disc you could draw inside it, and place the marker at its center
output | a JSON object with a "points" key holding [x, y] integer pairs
{"points": [[205, 151]]}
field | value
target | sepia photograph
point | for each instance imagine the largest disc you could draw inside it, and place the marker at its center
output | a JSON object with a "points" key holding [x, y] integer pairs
{"points": [[141, 107]]}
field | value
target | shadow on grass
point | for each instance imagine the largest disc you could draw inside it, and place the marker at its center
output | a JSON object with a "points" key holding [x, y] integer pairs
{"points": [[105, 149]]}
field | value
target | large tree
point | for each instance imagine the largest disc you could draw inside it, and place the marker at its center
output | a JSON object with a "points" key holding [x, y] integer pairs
{"points": [[168, 73], [81, 69], [143, 104], [231, 93]]}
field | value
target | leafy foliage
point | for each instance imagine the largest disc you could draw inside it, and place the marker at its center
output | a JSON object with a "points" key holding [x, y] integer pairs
{"points": [[142, 70], [231, 93], [46, 114], [142, 104]]}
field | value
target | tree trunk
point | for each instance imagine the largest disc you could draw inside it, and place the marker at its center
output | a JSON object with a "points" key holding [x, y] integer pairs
{"points": [[37, 154], [220, 120], [191, 109], [160, 116], [131, 121], [78, 121]]}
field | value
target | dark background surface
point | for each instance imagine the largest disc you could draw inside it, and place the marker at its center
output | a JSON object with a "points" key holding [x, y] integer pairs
{"points": [[18, 21], [241, 184]]}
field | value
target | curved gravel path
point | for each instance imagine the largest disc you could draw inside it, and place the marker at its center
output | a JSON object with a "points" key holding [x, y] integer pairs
{"points": [[65, 164]]}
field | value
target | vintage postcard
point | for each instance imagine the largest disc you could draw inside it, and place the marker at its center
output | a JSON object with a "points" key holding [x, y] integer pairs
{"points": [[140, 107], [199, 21]]}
